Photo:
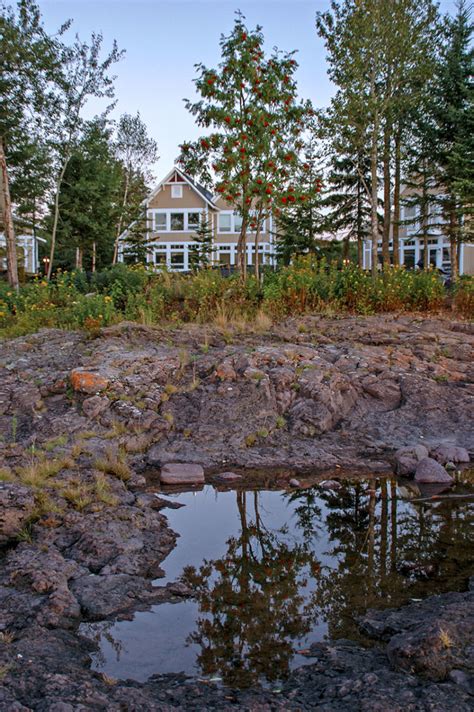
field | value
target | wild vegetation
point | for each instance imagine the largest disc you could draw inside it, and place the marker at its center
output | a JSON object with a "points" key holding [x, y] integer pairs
{"points": [[72, 301]]}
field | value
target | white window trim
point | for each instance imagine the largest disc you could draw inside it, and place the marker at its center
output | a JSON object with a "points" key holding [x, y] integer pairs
{"points": [[233, 230], [167, 212], [176, 187]]}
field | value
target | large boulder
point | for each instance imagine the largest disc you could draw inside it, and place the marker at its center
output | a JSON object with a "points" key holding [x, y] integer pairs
{"points": [[17, 504], [182, 474], [429, 471], [449, 453], [407, 459]]}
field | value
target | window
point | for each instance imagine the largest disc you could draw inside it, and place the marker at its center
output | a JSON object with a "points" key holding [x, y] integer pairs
{"points": [[177, 221], [237, 222], [193, 220], [160, 257], [177, 257], [176, 191], [410, 212], [225, 222], [160, 221]]}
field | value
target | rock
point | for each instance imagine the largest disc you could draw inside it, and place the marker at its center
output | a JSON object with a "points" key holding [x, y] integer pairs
{"points": [[227, 477], [407, 459], [449, 453], [429, 471], [294, 483], [383, 389], [330, 485], [182, 474], [226, 372], [427, 650], [94, 406], [16, 507], [88, 381]]}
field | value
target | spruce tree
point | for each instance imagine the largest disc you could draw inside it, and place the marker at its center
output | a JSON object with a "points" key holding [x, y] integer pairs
{"points": [[201, 252], [453, 112]]}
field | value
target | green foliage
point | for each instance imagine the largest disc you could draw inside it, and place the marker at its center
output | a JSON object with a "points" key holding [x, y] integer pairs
{"points": [[309, 284], [250, 103]]}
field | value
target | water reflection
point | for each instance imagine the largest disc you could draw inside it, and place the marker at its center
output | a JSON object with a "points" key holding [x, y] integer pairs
{"points": [[253, 602], [284, 569]]}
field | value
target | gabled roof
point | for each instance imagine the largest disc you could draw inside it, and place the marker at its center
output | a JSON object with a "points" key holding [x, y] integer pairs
{"points": [[205, 194]]}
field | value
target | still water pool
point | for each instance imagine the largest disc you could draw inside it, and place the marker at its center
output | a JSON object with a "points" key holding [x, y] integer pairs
{"points": [[276, 571]]}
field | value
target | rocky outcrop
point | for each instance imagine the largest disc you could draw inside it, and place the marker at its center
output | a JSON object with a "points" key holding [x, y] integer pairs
{"points": [[17, 504]]}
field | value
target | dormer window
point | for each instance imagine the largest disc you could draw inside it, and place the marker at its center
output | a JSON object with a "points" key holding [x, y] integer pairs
{"points": [[176, 191]]}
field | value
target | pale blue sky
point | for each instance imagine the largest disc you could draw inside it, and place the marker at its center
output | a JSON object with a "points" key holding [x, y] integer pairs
{"points": [[164, 39]]}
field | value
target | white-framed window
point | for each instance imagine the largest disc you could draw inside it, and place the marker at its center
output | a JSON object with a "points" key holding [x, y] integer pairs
{"points": [[237, 222], [160, 256], [177, 222], [232, 222], [177, 257], [194, 218], [160, 223], [410, 212], [176, 191], [225, 222]]}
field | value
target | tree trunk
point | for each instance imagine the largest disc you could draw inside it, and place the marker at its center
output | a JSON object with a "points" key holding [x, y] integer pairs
{"points": [[453, 245], [374, 220], [396, 200], [79, 254], [257, 265], [94, 256], [345, 249], [6, 205], [424, 232], [120, 221], [360, 236], [242, 250], [56, 217], [386, 197]]}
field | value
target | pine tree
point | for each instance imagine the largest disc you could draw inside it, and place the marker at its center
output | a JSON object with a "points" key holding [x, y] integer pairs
{"points": [[201, 252], [453, 112], [251, 104], [348, 184]]}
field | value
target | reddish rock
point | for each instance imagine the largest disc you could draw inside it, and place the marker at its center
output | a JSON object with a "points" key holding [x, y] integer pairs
{"points": [[94, 406], [182, 474], [88, 381], [407, 459], [429, 471], [449, 453], [226, 372]]}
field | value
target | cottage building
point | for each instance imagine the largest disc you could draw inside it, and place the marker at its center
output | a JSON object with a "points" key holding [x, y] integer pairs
{"points": [[174, 211], [412, 243]]}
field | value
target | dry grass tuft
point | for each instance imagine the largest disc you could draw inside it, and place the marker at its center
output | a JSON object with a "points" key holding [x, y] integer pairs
{"points": [[113, 464]]}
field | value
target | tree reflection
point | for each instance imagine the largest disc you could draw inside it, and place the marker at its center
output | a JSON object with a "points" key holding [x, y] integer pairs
{"points": [[254, 602], [385, 551]]}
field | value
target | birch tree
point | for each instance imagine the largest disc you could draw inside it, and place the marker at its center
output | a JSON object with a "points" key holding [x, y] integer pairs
{"points": [[136, 151], [84, 75], [29, 65]]}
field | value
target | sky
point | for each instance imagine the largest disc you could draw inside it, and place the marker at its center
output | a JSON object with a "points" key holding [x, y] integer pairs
{"points": [[164, 39]]}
